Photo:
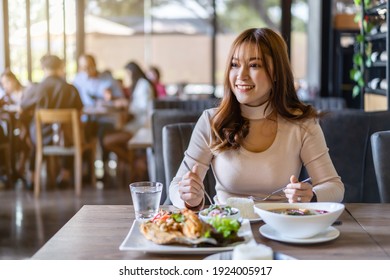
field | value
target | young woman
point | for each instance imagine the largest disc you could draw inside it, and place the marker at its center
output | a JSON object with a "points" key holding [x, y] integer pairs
{"points": [[154, 76], [13, 89], [260, 136], [13, 95]]}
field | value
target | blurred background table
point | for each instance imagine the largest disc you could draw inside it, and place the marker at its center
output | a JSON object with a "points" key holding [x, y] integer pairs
{"points": [[142, 139], [119, 115]]}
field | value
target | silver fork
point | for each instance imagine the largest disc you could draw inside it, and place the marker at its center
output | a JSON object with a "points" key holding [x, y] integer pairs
{"points": [[274, 192], [207, 195]]}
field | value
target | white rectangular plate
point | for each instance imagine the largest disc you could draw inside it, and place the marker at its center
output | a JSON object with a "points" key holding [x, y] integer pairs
{"points": [[135, 241]]}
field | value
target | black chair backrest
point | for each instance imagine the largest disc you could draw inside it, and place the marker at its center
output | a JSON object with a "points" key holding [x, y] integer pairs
{"points": [[188, 105], [347, 134], [328, 103], [176, 138], [380, 144], [161, 118]]}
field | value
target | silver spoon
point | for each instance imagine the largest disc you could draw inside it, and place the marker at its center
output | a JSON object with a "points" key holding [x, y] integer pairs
{"points": [[274, 192], [207, 195]]}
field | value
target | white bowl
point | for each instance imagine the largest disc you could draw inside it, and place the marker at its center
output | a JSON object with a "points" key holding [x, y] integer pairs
{"points": [[300, 226], [204, 217]]}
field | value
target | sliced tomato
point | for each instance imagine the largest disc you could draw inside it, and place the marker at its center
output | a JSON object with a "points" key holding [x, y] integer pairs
{"points": [[165, 217]]}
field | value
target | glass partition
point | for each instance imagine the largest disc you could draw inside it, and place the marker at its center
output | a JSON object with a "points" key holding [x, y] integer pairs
{"points": [[176, 36], [18, 38], [51, 25], [234, 17], [181, 38], [299, 44]]}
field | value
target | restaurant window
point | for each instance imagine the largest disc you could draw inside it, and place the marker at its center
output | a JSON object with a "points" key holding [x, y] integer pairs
{"points": [[175, 36], [300, 17], [49, 26], [18, 38], [233, 17], [63, 33], [299, 41]]}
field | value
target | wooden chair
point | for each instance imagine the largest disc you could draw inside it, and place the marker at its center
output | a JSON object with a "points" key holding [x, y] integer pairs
{"points": [[72, 143]]}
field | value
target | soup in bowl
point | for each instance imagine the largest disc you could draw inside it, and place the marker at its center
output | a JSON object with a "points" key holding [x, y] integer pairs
{"points": [[300, 220]]}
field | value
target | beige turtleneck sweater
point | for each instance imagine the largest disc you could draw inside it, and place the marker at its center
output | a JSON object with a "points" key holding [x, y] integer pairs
{"points": [[243, 173]]}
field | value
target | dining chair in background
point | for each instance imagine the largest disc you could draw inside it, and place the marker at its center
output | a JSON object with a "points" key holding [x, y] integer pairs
{"points": [[347, 134], [167, 111], [328, 103], [380, 144], [176, 138], [5, 151], [195, 105], [71, 143]]}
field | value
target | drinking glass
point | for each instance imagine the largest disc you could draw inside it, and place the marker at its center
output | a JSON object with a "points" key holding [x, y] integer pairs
{"points": [[146, 199]]}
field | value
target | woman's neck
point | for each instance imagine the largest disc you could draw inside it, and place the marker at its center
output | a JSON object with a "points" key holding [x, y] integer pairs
{"points": [[255, 113]]}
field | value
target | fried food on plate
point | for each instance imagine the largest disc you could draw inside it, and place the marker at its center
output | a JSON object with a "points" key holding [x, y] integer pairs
{"points": [[183, 227]]}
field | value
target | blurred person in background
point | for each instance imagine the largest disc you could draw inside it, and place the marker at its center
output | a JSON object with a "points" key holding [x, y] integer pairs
{"points": [[97, 88], [125, 90], [13, 94], [3, 139], [13, 89], [139, 107], [53, 92], [93, 85], [154, 75]]}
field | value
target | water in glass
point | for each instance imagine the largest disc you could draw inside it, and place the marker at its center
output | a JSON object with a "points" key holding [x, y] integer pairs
{"points": [[146, 199]]}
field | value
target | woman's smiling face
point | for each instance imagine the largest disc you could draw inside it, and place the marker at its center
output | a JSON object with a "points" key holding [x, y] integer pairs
{"points": [[248, 77]]}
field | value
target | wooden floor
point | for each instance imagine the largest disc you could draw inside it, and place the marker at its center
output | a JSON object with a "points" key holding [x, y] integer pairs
{"points": [[27, 223]]}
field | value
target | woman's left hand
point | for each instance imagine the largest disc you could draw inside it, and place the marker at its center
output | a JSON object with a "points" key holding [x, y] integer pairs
{"points": [[297, 191]]}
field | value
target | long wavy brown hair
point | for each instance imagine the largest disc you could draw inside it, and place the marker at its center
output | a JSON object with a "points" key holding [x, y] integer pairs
{"points": [[229, 128]]}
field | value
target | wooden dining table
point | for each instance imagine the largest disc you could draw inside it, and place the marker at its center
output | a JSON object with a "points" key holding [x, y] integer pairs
{"points": [[119, 115], [97, 231], [142, 139]]}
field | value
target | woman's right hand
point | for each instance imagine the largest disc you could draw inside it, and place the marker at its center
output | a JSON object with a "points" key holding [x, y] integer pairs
{"points": [[191, 188]]}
